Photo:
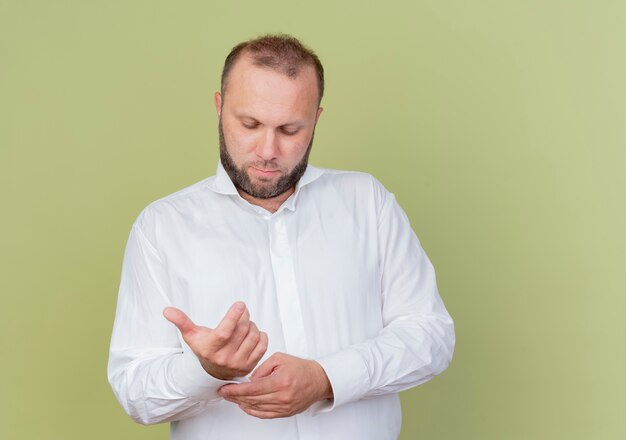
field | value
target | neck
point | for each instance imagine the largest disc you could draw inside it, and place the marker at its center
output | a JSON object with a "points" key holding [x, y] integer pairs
{"points": [[271, 204]]}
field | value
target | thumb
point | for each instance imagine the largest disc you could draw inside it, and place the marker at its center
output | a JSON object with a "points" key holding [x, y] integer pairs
{"points": [[180, 320], [266, 368]]}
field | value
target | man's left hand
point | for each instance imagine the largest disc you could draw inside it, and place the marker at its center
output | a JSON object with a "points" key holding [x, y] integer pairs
{"points": [[281, 386]]}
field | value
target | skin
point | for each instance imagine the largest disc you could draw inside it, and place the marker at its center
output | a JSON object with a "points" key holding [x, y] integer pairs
{"points": [[282, 386], [268, 121], [232, 349]]}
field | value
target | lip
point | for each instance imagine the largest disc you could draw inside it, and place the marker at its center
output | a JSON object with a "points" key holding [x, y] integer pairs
{"points": [[266, 173]]}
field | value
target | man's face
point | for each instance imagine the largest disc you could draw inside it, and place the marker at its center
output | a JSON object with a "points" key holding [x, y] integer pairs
{"points": [[266, 126]]}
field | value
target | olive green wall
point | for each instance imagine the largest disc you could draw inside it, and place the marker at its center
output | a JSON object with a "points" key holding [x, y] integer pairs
{"points": [[499, 125]]}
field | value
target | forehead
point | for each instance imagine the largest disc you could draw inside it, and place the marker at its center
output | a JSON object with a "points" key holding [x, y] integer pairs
{"points": [[267, 93]]}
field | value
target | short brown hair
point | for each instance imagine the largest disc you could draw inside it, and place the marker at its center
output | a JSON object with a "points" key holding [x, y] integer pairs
{"points": [[279, 52]]}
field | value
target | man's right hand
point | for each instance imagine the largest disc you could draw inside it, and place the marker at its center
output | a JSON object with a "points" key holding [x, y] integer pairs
{"points": [[232, 349]]}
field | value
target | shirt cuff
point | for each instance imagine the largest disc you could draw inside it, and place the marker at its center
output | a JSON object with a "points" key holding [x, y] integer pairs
{"points": [[348, 376], [193, 381]]}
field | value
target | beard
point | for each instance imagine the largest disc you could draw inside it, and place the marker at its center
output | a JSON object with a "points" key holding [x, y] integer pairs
{"points": [[242, 180]]}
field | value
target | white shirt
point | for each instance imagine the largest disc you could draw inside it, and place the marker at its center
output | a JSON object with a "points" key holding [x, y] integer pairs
{"points": [[336, 275]]}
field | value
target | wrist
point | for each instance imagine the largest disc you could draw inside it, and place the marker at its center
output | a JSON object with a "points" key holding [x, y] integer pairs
{"points": [[326, 389], [216, 372]]}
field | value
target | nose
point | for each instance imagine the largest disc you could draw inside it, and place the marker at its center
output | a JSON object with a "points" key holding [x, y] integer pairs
{"points": [[267, 149]]}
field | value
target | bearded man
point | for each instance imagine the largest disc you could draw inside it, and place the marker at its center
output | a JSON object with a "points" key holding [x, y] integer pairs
{"points": [[344, 300]]}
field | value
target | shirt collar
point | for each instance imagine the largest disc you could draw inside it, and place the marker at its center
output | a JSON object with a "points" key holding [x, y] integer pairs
{"points": [[223, 185]]}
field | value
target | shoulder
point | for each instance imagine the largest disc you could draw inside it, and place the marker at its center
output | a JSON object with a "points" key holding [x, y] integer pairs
{"points": [[352, 185], [350, 179], [182, 203]]}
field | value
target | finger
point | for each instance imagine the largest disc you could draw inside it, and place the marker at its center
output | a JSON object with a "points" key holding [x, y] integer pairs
{"points": [[241, 330], [230, 320], [180, 320], [257, 352], [247, 344], [257, 388], [239, 335], [266, 368], [245, 317], [264, 402], [261, 414]]}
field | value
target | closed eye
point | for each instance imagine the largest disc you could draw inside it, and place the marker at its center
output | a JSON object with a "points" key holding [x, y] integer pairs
{"points": [[250, 126], [289, 132]]}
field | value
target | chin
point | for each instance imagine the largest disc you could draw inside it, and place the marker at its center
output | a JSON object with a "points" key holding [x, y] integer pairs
{"points": [[260, 178]]}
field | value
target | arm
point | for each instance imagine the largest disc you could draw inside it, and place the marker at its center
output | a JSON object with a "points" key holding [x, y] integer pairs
{"points": [[417, 339], [153, 376], [415, 344]]}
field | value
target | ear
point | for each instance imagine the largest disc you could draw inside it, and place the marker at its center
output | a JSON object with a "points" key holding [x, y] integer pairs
{"points": [[319, 112], [218, 104]]}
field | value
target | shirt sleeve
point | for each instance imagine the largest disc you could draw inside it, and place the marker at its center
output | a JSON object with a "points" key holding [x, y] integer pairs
{"points": [[154, 377], [417, 339]]}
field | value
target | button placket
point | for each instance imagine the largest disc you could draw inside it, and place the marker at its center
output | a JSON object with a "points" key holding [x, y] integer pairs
{"points": [[290, 311], [286, 288]]}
